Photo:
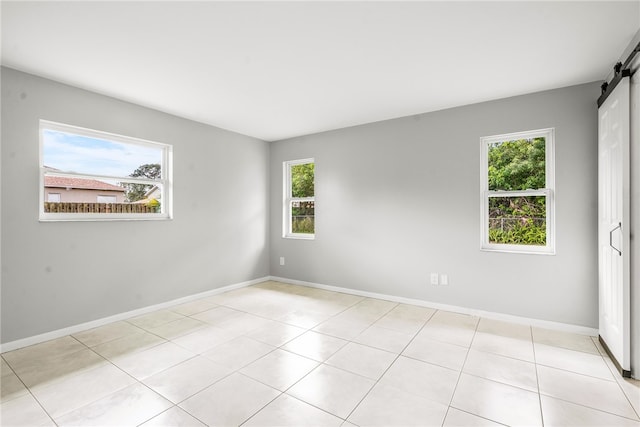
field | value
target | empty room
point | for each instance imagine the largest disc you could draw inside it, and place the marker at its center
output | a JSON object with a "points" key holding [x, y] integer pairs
{"points": [[474, 259]]}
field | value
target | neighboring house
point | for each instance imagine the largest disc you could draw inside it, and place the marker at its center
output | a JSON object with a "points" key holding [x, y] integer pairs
{"points": [[62, 189]]}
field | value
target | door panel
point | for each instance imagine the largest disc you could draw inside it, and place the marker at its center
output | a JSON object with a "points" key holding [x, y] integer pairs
{"points": [[635, 220], [613, 226]]}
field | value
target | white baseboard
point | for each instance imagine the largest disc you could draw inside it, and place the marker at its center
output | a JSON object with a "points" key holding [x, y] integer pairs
{"points": [[36, 339], [565, 327]]}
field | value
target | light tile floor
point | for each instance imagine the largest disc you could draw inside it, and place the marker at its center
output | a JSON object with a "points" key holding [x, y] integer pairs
{"points": [[277, 354]]}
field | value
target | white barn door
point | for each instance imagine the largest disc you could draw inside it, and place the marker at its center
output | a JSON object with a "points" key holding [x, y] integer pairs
{"points": [[613, 223]]}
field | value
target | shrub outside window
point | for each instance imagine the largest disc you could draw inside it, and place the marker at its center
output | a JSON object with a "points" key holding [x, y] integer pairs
{"points": [[91, 175], [299, 199], [517, 192]]}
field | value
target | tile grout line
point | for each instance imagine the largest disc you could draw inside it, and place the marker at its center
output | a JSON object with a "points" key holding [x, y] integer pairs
{"points": [[172, 366], [311, 329], [466, 356], [320, 363], [237, 371], [30, 393], [136, 381], [590, 407], [584, 375], [234, 371], [166, 340], [390, 365], [535, 361], [297, 381], [34, 396], [617, 375]]}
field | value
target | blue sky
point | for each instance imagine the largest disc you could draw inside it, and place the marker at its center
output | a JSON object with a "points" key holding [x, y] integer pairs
{"points": [[82, 154]]}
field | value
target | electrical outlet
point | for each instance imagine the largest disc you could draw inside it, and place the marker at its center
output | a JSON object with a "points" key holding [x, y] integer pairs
{"points": [[281, 260], [434, 279], [444, 280]]}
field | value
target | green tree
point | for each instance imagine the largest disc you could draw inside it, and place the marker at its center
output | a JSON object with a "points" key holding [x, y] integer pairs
{"points": [[135, 192], [517, 165], [302, 180], [513, 166], [302, 185]]}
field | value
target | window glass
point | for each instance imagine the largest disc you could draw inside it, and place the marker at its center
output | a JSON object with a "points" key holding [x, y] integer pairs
{"points": [[518, 192], [102, 176], [69, 152], [517, 165], [107, 199], [518, 220], [302, 180], [53, 197], [303, 217], [299, 207]]}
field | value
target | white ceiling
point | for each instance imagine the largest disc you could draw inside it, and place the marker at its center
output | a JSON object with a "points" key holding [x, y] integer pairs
{"points": [[275, 70]]}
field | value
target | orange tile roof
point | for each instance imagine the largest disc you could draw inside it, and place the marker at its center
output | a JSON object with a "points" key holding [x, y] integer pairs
{"points": [[84, 183]]}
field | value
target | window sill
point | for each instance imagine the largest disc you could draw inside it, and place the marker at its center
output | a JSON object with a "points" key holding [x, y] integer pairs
{"points": [[300, 236], [525, 250], [103, 217]]}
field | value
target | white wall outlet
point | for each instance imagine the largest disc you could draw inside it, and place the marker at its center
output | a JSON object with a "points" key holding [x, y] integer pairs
{"points": [[444, 279], [434, 278], [281, 260]]}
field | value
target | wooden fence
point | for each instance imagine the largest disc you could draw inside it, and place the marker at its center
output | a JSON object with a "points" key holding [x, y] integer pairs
{"points": [[81, 207]]}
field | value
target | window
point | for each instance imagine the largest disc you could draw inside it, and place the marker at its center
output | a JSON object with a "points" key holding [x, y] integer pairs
{"points": [[53, 197], [517, 192], [102, 176], [107, 199], [299, 199]]}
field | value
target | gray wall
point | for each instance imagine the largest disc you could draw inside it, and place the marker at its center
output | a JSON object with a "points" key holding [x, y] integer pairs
{"points": [[60, 274], [398, 199]]}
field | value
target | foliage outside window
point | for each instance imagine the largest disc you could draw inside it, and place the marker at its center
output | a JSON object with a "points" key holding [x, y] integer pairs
{"points": [[517, 176], [92, 175], [299, 199]]}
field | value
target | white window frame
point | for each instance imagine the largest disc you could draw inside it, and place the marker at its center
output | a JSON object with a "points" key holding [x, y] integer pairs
{"points": [[288, 199], [548, 192], [165, 182]]}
